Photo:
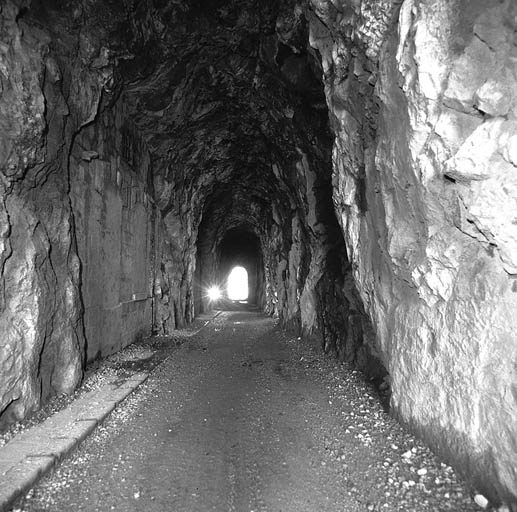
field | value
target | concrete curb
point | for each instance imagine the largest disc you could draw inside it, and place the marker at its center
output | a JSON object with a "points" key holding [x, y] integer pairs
{"points": [[28, 456]]}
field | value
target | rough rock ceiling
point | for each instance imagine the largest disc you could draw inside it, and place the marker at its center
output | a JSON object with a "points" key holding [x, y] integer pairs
{"points": [[218, 96]]}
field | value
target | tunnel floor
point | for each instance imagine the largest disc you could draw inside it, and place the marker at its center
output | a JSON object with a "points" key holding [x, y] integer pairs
{"points": [[246, 417]]}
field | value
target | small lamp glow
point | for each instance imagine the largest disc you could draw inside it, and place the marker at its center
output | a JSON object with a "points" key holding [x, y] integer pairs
{"points": [[214, 293]]}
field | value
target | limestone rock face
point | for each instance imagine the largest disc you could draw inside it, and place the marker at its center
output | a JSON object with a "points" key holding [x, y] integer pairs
{"points": [[425, 189], [40, 317], [53, 74]]}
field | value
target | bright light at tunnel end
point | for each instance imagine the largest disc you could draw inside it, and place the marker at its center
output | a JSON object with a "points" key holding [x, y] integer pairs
{"points": [[214, 293], [238, 284]]}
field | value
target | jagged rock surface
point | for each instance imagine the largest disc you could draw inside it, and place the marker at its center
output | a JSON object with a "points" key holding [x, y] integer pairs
{"points": [[424, 106], [41, 313]]}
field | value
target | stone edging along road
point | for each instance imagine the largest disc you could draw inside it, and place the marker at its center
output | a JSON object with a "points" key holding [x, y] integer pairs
{"points": [[28, 456]]}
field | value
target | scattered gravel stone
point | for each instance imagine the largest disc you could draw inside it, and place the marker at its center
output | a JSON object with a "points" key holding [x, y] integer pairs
{"points": [[370, 457], [481, 500], [139, 356]]}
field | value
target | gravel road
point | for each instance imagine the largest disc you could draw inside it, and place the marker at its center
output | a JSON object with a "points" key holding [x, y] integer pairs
{"points": [[245, 417]]}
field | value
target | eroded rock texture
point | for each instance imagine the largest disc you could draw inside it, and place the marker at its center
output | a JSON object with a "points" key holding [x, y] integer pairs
{"points": [[41, 314], [357, 156], [423, 102]]}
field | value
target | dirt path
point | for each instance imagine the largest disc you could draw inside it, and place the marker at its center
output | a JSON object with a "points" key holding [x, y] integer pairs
{"points": [[244, 417]]}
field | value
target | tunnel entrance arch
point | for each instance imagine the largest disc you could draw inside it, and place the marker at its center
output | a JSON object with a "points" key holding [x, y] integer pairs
{"points": [[237, 284]]}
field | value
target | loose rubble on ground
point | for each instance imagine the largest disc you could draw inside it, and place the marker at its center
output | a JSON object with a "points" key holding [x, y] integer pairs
{"points": [[139, 356], [414, 478], [381, 465]]}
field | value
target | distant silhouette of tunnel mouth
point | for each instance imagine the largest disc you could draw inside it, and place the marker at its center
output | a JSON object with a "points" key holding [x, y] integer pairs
{"points": [[237, 284]]}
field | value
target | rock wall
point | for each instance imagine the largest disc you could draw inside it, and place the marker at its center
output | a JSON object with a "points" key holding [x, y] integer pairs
{"points": [[79, 237], [114, 220], [42, 346], [423, 106], [173, 300], [136, 259]]}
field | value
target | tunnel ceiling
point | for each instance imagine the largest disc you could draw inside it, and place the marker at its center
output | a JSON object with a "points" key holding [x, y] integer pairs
{"points": [[239, 246], [225, 93]]}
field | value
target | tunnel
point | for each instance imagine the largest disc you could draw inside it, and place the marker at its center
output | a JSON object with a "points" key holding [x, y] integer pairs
{"points": [[357, 157]]}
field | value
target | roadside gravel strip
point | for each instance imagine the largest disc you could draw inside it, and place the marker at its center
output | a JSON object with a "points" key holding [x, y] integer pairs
{"points": [[232, 414], [29, 455], [30, 448]]}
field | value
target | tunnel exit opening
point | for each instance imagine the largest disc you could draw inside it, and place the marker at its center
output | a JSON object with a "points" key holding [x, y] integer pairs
{"points": [[237, 285]]}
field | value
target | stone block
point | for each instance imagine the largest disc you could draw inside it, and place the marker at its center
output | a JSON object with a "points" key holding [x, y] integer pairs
{"points": [[496, 96], [21, 477]]}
